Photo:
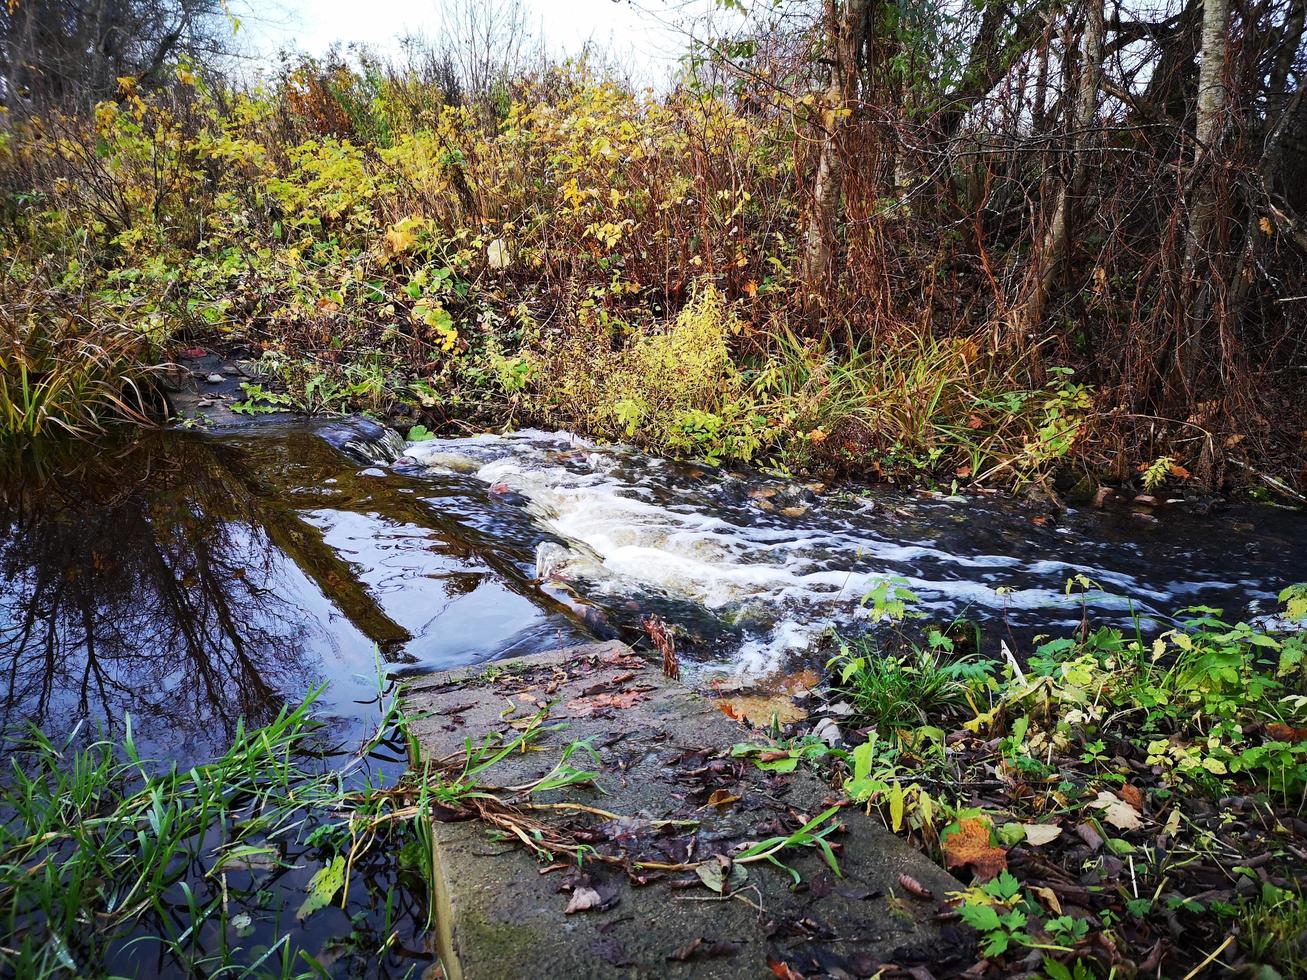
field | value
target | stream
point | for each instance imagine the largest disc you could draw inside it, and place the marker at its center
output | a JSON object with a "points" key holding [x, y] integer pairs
{"points": [[194, 580]]}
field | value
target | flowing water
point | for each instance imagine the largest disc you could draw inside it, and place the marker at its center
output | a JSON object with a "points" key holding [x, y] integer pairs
{"points": [[196, 580]]}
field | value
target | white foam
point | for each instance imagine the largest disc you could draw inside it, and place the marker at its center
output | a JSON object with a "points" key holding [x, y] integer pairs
{"points": [[627, 528]]}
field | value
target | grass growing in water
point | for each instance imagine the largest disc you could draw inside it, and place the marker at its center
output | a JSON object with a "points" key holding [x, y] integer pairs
{"points": [[106, 860]]}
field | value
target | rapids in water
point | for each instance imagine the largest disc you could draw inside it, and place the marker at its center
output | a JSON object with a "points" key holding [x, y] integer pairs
{"points": [[759, 569]]}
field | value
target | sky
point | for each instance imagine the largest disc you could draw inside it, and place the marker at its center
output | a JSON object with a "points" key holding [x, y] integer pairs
{"points": [[641, 34]]}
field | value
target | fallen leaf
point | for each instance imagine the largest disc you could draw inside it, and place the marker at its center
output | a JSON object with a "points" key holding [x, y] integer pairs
{"points": [[915, 888], [1090, 836], [1117, 812], [621, 700], [1040, 834], [1132, 795], [827, 731], [499, 488], [721, 797], [322, 887], [969, 846], [783, 970], [1286, 733], [1049, 898], [758, 709], [582, 899], [722, 875]]}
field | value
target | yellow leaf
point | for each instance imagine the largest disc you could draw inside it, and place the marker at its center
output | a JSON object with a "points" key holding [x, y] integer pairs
{"points": [[896, 807]]}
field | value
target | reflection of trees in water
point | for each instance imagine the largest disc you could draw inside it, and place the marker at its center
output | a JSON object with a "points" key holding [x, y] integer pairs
{"points": [[148, 586]]}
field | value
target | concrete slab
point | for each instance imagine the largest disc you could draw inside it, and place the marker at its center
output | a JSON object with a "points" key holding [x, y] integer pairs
{"points": [[664, 754], [201, 390]]}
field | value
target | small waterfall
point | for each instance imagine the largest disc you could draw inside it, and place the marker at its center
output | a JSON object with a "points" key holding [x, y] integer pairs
{"points": [[757, 568], [364, 440]]}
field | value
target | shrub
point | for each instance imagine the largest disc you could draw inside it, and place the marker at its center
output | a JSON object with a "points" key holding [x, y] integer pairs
{"points": [[674, 390]]}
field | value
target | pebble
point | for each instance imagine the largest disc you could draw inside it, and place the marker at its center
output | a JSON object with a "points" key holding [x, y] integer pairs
{"points": [[214, 379]]}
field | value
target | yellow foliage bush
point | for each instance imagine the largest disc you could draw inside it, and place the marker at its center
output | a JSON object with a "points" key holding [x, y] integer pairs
{"points": [[674, 389]]}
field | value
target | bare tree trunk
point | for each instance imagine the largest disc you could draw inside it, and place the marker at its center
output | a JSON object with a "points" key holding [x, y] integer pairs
{"points": [[1086, 107], [1211, 110], [1213, 102], [1053, 250], [846, 33]]}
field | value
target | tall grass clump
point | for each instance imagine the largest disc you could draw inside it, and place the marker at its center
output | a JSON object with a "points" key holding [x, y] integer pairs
{"points": [[62, 375], [923, 407], [673, 389]]}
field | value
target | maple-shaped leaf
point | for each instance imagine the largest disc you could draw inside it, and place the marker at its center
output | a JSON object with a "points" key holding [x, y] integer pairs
{"points": [[969, 846]]}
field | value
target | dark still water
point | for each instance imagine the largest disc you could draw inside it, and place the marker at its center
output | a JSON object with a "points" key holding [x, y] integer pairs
{"points": [[194, 582]]}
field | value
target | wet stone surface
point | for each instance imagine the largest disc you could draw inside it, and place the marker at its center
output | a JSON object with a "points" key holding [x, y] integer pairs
{"points": [[640, 906]]}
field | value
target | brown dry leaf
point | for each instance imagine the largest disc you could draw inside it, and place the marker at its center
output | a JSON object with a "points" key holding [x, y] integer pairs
{"points": [[1286, 733], [783, 970], [1132, 795], [722, 797], [759, 708], [969, 846], [582, 899], [620, 700], [1049, 898], [915, 888]]}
